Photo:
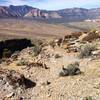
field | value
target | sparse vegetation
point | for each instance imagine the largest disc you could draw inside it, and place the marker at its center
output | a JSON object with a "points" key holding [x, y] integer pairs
{"points": [[72, 69], [88, 98], [86, 50], [37, 43], [6, 53], [40, 64], [22, 62], [14, 56], [36, 50]]}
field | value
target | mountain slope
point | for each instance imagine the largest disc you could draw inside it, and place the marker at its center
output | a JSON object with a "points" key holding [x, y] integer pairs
{"points": [[72, 14], [14, 11]]}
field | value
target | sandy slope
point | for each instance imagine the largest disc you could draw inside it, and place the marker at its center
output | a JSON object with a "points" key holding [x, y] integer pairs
{"points": [[30, 29]]}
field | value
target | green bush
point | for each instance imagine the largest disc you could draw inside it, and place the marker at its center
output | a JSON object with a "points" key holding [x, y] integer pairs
{"points": [[86, 50], [6, 53], [88, 98]]}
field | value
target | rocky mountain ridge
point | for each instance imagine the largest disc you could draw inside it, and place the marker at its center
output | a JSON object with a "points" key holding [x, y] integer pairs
{"points": [[69, 14]]}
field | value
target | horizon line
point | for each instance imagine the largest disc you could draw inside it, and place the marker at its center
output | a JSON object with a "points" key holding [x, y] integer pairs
{"points": [[52, 9]]}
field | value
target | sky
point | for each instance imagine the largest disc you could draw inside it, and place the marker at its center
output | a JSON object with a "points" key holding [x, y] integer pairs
{"points": [[54, 4]]}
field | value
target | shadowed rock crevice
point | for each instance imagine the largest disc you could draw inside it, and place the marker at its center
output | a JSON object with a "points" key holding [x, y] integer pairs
{"points": [[28, 83], [14, 45]]}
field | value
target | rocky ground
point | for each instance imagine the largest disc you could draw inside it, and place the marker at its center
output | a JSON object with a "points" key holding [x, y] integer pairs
{"points": [[42, 72]]}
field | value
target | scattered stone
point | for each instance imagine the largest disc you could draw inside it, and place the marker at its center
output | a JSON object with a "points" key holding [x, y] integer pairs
{"points": [[10, 95], [39, 57], [2, 81], [16, 79], [57, 56], [21, 98], [46, 83], [91, 36], [97, 52], [37, 64]]}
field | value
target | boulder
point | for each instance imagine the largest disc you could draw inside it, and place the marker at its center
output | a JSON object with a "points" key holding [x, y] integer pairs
{"points": [[15, 79], [90, 36]]}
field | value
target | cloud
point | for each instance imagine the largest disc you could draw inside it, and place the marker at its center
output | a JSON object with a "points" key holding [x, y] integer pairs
{"points": [[61, 4], [54, 4], [21, 2], [18, 2]]}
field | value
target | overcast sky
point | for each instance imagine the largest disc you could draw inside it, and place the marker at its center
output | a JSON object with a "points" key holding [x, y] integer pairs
{"points": [[54, 4]]}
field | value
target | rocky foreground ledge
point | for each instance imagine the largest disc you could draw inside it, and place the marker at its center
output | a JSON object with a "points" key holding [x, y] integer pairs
{"points": [[67, 68]]}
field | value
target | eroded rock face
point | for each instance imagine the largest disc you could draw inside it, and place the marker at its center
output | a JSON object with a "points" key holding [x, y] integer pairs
{"points": [[15, 79], [13, 84], [4, 12], [91, 36], [14, 11]]}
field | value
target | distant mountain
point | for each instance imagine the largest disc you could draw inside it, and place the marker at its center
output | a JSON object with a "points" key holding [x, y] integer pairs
{"points": [[37, 13], [14, 11], [65, 15]]}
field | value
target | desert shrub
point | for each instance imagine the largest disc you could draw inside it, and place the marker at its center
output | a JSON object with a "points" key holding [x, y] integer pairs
{"points": [[14, 56], [72, 69], [37, 42], [88, 98], [37, 47], [6, 53], [86, 50], [22, 62], [64, 72], [36, 50]]}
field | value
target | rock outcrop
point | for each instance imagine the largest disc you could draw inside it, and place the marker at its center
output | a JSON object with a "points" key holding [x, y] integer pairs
{"points": [[14, 45]]}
